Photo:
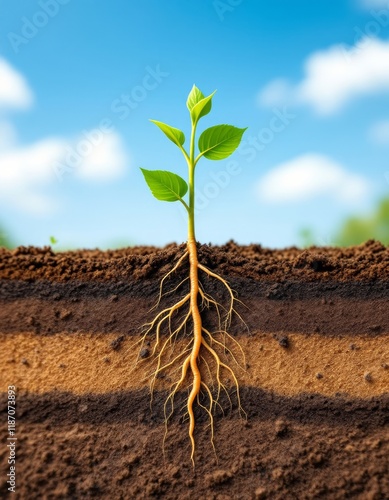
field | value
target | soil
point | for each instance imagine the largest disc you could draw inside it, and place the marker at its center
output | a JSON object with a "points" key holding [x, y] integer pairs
{"points": [[368, 262], [58, 363], [315, 387]]}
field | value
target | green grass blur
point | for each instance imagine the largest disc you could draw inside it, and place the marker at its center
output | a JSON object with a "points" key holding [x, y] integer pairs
{"points": [[355, 230]]}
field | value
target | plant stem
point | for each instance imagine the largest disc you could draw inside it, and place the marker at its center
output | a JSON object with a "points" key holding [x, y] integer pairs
{"points": [[191, 172]]}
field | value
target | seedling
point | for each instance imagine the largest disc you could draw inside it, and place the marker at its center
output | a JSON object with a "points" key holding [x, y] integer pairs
{"points": [[202, 364]]}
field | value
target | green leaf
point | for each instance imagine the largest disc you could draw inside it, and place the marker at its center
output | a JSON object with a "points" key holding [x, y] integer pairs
{"points": [[220, 141], [195, 95], [53, 240], [164, 185], [174, 134], [201, 108]]}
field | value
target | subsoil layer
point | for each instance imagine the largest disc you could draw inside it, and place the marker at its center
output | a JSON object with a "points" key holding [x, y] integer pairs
{"points": [[311, 437]]}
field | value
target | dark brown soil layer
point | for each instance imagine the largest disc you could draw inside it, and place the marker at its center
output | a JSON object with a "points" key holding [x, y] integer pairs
{"points": [[305, 448], [326, 290], [336, 316], [59, 408], [368, 262]]}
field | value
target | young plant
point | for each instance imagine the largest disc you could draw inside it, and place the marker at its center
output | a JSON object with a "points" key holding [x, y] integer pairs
{"points": [[202, 363]]}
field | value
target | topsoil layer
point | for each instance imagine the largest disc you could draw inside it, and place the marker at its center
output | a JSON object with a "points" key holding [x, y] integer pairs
{"points": [[366, 263]]}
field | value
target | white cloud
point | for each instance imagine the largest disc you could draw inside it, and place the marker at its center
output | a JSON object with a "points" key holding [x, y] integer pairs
{"points": [[374, 4], [14, 89], [309, 176], [275, 93], [379, 132], [106, 161], [31, 164], [337, 75], [27, 171], [8, 135]]}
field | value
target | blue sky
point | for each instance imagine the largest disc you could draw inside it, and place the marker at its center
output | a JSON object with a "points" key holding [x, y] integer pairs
{"points": [[80, 79]]}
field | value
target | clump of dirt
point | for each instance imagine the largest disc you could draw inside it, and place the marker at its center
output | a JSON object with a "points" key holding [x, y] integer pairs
{"points": [[117, 343]]}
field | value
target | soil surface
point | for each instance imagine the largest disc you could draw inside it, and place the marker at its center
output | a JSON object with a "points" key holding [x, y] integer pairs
{"points": [[368, 262], [316, 386]]}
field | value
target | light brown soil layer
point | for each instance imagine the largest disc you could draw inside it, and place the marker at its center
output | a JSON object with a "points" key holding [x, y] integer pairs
{"points": [[96, 363]]}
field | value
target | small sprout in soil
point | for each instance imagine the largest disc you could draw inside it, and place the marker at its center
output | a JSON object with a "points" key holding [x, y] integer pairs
{"points": [[201, 366], [53, 240]]}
